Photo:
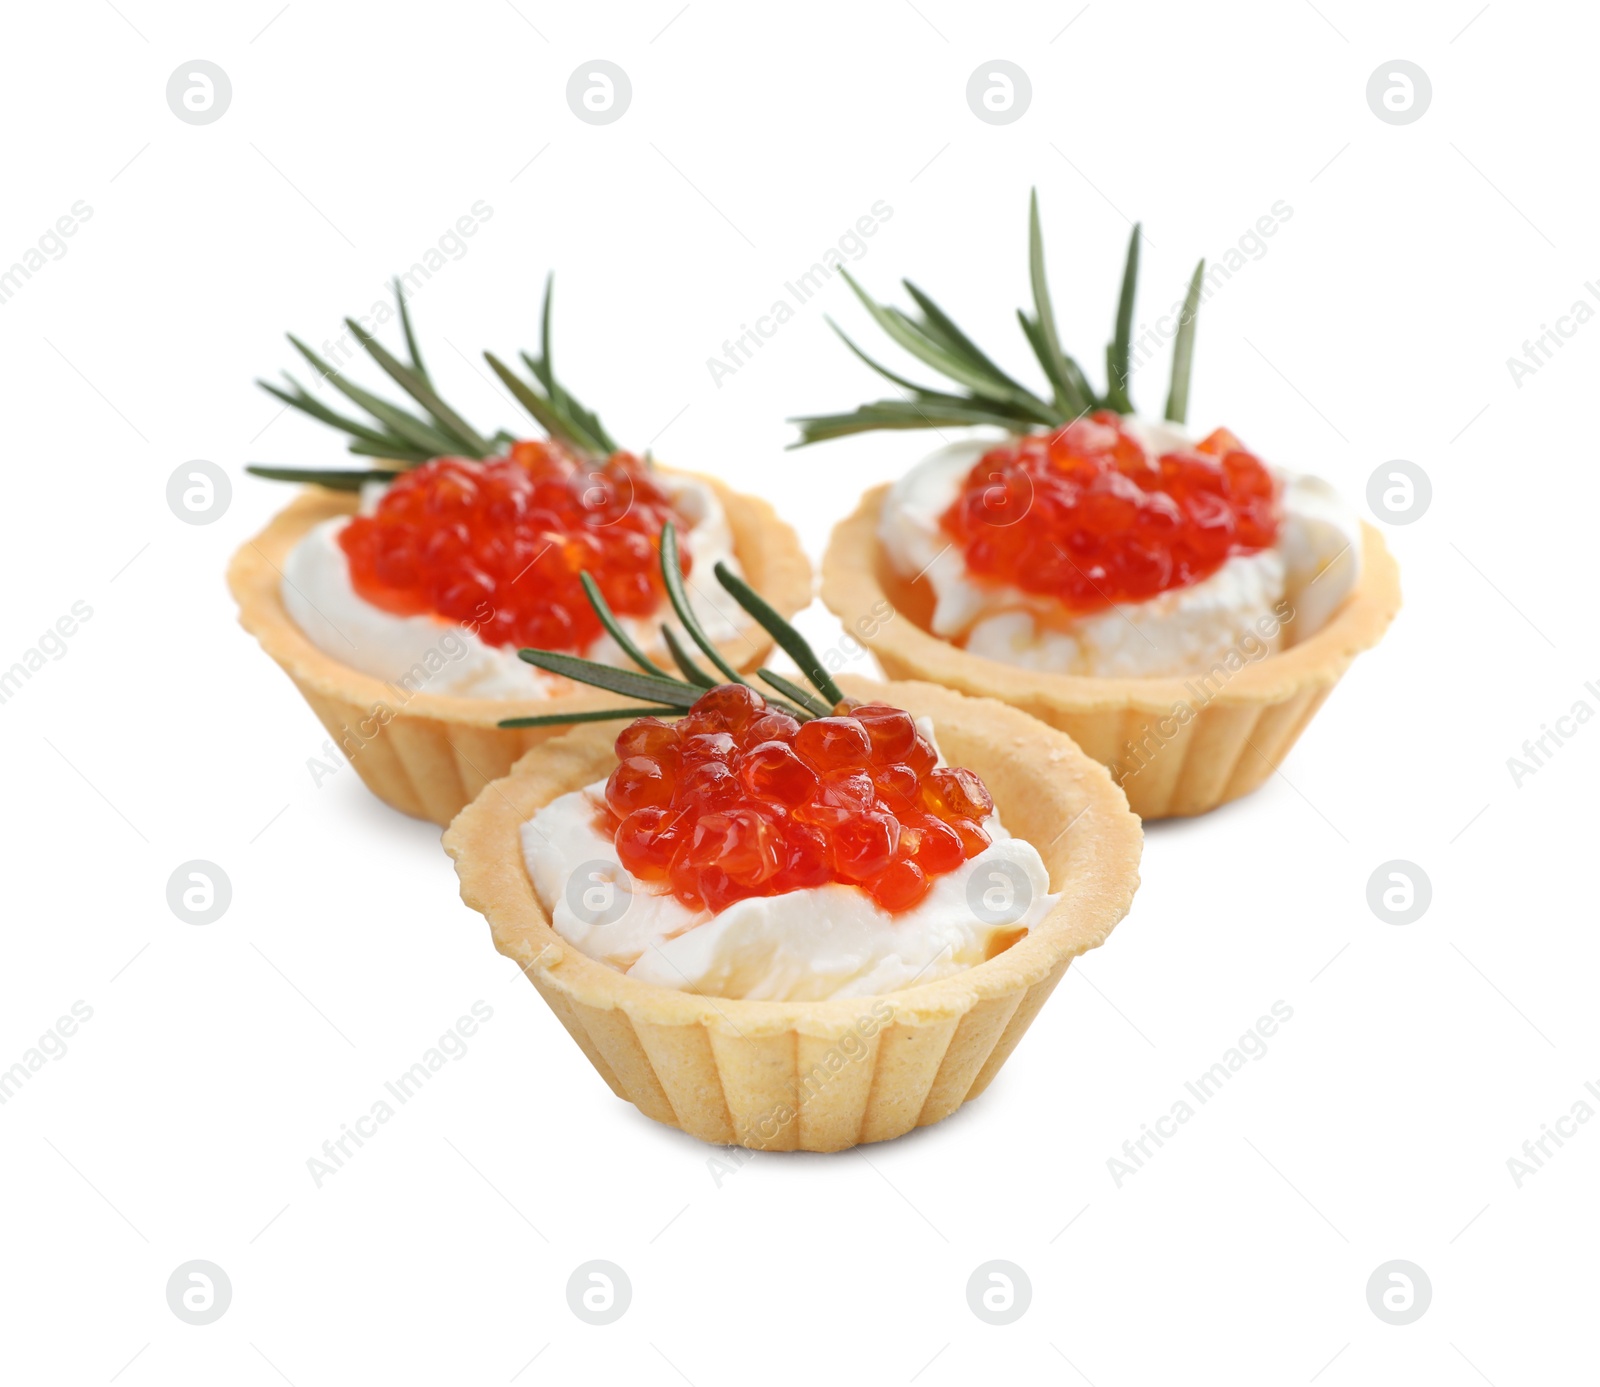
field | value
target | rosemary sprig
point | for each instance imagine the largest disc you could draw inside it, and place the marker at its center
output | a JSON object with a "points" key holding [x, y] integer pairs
{"points": [[669, 696], [988, 394], [1183, 351], [924, 341], [597, 715], [557, 409], [602, 609], [674, 693], [1119, 349], [415, 383], [337, 479], [685, 661], [672, 577], [790, 641], [940, 323], [1065, 375], [406, 436], [919, 413], [795, 693]]}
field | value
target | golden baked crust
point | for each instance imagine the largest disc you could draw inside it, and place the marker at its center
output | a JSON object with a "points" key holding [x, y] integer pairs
{"points": [[1235, 734], [744, 1071], [428, 754]]}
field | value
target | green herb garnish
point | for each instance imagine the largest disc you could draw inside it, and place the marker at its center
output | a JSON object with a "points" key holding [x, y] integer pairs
{"points": [[406, 436], [672, 697], [988, 394]]}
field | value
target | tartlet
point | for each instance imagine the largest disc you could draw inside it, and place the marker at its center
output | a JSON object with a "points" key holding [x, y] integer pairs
{"points": [[1232, 738], [429, 755], [831, 1074], [1107, 574], [428, 750]]}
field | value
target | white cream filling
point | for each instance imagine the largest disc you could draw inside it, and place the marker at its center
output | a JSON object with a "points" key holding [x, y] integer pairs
{"points": [[428, 653], [1254, 603], [826, 941]]}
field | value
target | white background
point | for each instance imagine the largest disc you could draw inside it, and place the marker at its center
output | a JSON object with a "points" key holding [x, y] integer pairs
{"points": [[1377, 326]]}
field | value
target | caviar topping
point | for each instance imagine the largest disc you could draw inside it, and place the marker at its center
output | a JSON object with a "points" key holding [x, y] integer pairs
{"points": [[734, 800], [501, 545], [1087, 516], [748, 796]]}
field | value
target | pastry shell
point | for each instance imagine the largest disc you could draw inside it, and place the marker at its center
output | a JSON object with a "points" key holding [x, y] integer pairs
{"points": [[819, 1075], [429, 754], [1177, 745]]}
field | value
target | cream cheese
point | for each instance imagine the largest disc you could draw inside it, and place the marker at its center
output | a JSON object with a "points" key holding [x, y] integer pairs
{"points": [[825, 941], [1300, 582], [427, 653]]}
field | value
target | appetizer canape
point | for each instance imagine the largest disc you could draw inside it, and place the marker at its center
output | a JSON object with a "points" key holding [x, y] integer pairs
{"points": [[396, 596], [782, 919], [1177, 605]]}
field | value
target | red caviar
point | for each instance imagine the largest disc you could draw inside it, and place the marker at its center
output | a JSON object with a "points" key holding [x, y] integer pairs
{"points": [[1087, 516], [738, 800], [498, 546]]}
